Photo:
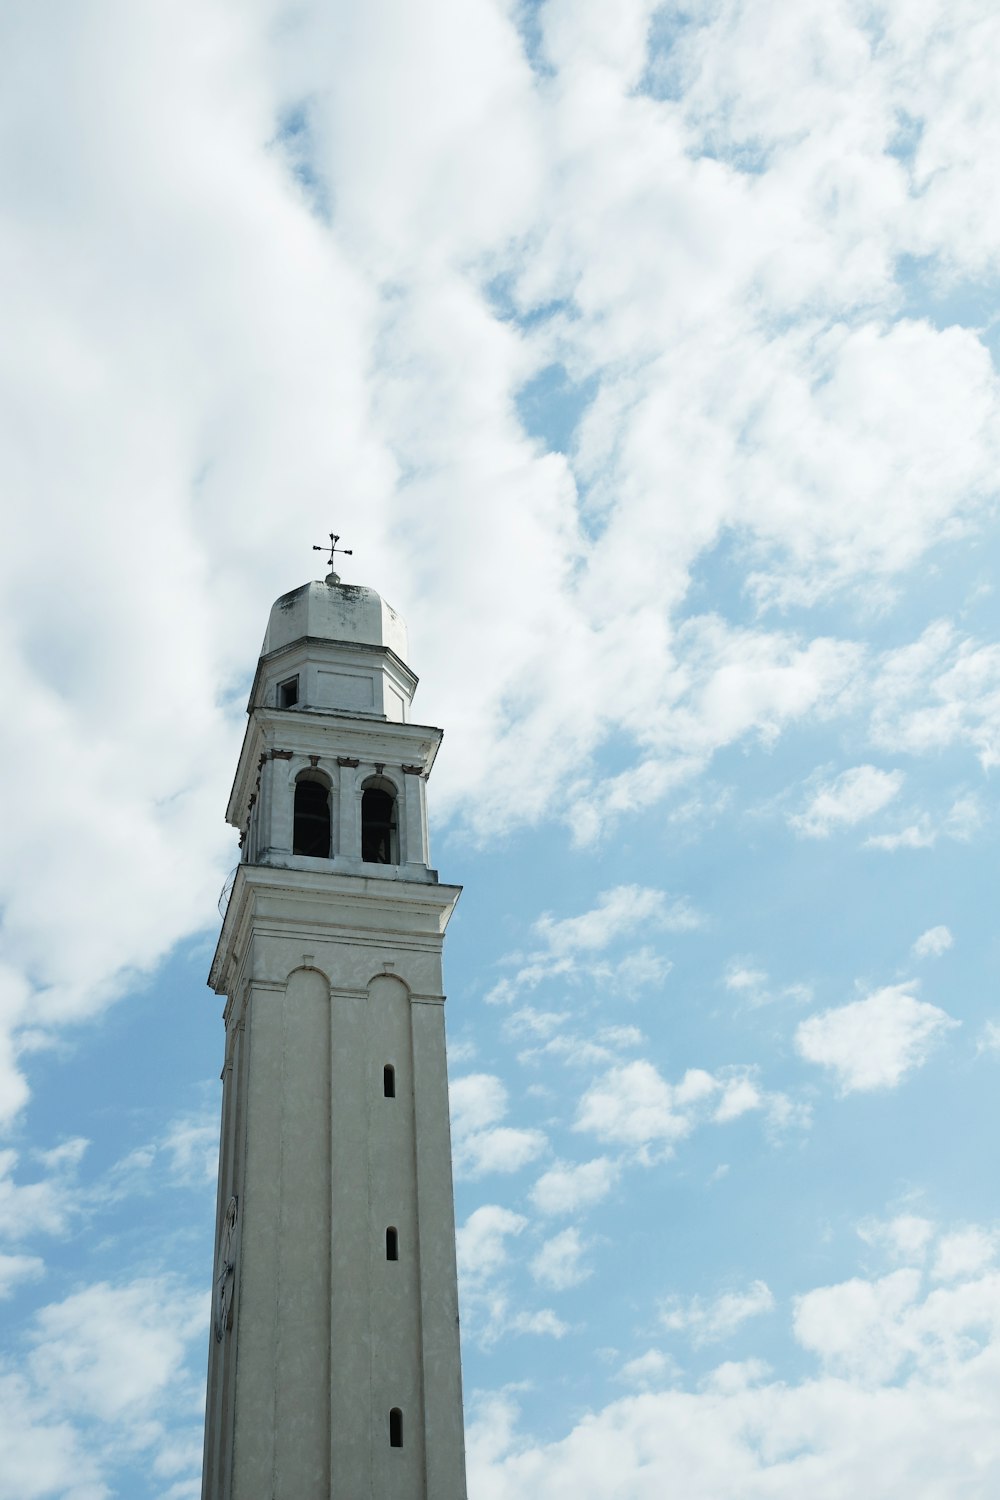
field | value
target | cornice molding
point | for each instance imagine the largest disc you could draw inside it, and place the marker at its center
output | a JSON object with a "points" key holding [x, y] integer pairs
{"points": [[320, 647], [332, 736], [329, 910]]}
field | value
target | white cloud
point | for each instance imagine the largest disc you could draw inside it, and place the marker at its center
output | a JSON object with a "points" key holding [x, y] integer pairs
{"points": [[850, 798], [479, 1143], [573, 947], [17, 1268], [65, 1157], [43, 1455], [501, 1149], [230, 344], [965, 1252], [106, 1378], [753, 985], [482, 1241], [339, 313], [607, 1044], [739, 1096], [648, 1371], [860, 1328], [942, 689], [559, 1263], [462, 1050], [47, 1205], [873, 1043], [490, 1309], [621, 1037], [904, 1397], [933, 942], [905, 1237], [961, 822], [566, 1189], [640, 970], [184, 1155], [740, 977], [544, 1322], [872, 1330], [722, 685], [914, 836], [536, 1023], [989, 1038], [633, 1105], [964, 818], [477, 1100], [192, 1145], [108, 1352], [708, 1322], [618, 913]]}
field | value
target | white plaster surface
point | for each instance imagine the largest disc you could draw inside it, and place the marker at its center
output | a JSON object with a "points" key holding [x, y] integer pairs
{"points": [[334, 612]]}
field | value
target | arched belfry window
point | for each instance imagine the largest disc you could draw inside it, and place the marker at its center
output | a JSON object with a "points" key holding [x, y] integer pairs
{"points": [[379, 831], [311, 829]]}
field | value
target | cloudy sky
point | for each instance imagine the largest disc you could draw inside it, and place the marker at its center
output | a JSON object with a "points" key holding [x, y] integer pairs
{"points": [[646, 356]]}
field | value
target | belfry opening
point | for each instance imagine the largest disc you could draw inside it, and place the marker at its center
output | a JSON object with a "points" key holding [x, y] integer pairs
{"points": [[311, 827], [379, 833]]}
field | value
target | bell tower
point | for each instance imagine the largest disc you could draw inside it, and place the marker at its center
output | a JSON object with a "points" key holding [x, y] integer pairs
{"points": [[334, 1370]]}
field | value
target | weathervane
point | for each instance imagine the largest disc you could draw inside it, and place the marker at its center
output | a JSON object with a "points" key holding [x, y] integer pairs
{"points": [[333, 577]]}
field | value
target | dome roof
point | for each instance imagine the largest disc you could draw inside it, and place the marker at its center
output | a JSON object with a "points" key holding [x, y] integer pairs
{"points": [[334, 612]]}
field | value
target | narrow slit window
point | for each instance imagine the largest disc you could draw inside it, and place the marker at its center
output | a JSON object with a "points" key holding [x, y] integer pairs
{"points": [[389, 1081], [391, 1244], [311, 829], [395, 1428], [288, 693]]}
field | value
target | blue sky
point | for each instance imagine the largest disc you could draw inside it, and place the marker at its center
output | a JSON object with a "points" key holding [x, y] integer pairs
{"points": [[646, 357]]}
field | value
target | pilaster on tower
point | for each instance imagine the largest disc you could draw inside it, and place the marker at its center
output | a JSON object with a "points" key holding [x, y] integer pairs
{"points": [[334, 1366]]}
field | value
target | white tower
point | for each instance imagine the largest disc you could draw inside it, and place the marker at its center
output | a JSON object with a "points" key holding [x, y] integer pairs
{"points": [[334, 1368]]}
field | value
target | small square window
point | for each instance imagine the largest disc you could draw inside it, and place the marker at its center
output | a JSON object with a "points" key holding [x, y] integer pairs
{"points": [[288, 693]]}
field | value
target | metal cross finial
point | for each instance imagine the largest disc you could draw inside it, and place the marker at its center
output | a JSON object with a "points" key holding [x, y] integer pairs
{"points": [[333, 577]]}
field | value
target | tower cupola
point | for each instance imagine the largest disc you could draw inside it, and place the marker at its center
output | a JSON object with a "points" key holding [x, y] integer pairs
{"points": [[332, 772], [335, 646]]}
